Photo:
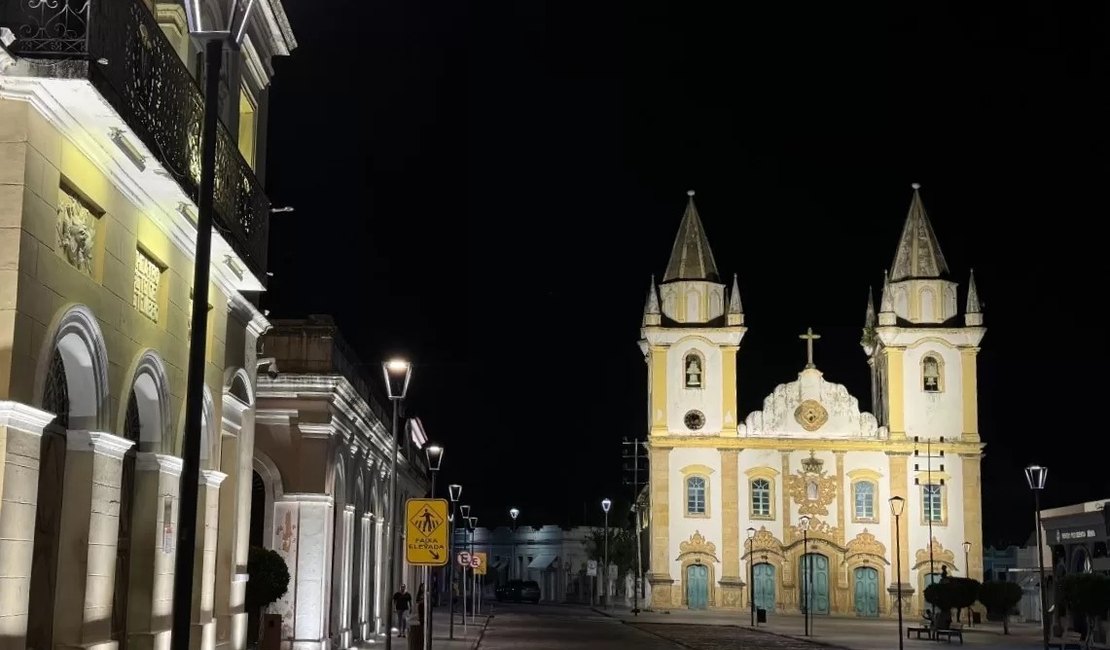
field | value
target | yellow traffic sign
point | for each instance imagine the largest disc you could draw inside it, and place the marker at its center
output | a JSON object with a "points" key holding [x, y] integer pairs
{"points": [[478, 563], [426, 532]]}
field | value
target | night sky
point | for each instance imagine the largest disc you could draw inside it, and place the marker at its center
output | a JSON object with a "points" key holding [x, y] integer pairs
{"points": [[488, 189]]}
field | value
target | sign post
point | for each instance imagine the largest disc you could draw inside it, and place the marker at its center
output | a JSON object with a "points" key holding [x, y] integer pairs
{"points": [[426, 545]]}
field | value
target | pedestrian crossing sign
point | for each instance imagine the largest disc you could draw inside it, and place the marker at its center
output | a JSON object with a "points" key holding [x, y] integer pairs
{"points": [[426, 532]]}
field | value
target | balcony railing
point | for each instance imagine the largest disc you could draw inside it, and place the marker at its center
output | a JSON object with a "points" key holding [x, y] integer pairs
{"points": [[134, 67]]}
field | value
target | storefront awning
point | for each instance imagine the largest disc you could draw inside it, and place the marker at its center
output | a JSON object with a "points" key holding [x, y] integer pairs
{"points": [[541, 563]]}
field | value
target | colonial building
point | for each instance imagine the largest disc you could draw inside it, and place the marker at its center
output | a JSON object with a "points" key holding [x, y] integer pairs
{"points": [[554, 557], [810, 464], [100, 122], [321, 474]]}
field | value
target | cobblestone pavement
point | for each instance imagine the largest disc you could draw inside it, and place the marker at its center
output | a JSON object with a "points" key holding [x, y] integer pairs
{"points": [[720, 637], [561, 627]]}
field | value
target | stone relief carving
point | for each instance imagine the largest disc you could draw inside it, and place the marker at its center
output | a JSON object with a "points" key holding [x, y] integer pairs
{"points": [[76, 229], [816, 529], [812, 403], [697, 544], [765, 542], [940, 555], [866, 544], [811, 487]]}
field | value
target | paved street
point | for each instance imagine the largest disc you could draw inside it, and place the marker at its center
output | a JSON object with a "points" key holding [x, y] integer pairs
{"points": [[566, 627]]}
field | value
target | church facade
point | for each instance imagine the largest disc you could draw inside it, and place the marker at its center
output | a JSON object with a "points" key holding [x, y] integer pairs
{"points": [[789, 505]]}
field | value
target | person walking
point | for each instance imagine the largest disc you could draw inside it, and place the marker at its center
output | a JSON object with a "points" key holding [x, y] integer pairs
{"points": [[402, 600], [420, 605]]}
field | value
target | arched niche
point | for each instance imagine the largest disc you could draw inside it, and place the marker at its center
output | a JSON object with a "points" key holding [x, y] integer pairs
{"points": [[80, 347]]}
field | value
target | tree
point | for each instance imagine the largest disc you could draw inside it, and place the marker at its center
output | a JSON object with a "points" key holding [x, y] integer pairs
{"points": [[1000, 598], [1086, 595], [269, 578], [622, 548]]}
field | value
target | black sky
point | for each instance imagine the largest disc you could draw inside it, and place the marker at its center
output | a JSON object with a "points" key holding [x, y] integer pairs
{"points": [[488, 188]]}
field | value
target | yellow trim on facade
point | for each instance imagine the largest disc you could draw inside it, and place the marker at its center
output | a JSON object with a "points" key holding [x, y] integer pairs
{"points": [[943, 521], [865, 473], [703, 470], [895, 392], [768, 474], [968, 362], [922, 476], [730, 514], [807, 444], [686, 495], [660, 470], [657, 356], [898, 464], [872, 478], [973, 514]]}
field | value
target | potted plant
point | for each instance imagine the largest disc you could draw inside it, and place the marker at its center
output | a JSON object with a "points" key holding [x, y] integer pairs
{"points": [[269, 579]]}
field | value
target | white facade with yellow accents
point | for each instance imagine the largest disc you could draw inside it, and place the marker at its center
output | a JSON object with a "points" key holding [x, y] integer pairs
{"points": [[810, 454]]}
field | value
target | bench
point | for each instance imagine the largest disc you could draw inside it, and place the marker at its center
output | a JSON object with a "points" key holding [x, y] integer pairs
{"points": [[1070, 641], [919, 630], [948, 634]]}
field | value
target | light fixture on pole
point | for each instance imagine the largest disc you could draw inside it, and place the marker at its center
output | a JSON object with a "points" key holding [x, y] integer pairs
{"points": [[967, 559], [434, 455], [454, 491], [1036, 476], [397, 373], [473, 526], [751, 574], [464, 511], [803, 523], [605, 505], [513, 513], [213, 36], [897, 506]]}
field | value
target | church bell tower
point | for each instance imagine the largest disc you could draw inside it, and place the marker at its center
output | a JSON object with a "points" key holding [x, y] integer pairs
{"points": [[691, 332]]}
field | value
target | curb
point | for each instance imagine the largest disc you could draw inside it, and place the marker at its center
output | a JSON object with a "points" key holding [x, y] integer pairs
{"points": [[481, 635], [810, 640]]}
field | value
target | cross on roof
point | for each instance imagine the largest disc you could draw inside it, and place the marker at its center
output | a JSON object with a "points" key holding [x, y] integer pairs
{"points": [[809, 338]]}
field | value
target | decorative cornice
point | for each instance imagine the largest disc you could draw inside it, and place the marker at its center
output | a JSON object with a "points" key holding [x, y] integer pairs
{"points": [[27, 419], [315, 430], [147, 461], [244, 310], [98, 442], [275, 416], [134, 184], [211, 478], [306, 497]]}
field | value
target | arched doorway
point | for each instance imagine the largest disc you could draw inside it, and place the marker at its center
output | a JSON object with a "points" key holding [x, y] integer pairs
{"points": [[256, 539], [866, 591], [697, 586], [763, 581], [814, 572]]}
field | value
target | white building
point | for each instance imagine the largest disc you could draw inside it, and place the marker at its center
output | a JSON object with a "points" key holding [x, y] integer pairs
{"points": [[811, 452], [554, 557]]}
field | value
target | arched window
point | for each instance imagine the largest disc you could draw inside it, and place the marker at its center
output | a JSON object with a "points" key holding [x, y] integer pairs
{"points": [[55, 395], [864, 496], [932, 378], [761, 497], [694, 370], [695, 496]]}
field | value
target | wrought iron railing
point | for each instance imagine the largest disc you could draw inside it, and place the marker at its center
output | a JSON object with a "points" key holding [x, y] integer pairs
{"points": [[134, 66]]}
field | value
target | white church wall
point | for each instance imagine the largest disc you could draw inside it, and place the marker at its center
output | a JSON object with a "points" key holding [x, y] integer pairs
{"points": [[933, 414], [707, 399], [868, 465], [683, 526]]}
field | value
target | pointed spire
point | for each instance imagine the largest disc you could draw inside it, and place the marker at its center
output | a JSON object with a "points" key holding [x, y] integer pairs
{"points": [[691, 258], [651, 305], [973, 306], [886, 304], [918, 254], [734, 304], [869, 316], [735, 314]]}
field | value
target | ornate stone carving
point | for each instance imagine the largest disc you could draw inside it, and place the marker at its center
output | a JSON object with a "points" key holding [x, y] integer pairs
{"points": [[940, 555], [765, 542], [76, 229], [811, 415], [817, 529], [793, 408], [866, 544], [697, 544], [811, 488]]}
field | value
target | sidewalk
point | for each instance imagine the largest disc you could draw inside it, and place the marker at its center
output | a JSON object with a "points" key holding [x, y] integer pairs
{"points": [[466, 637], [840, 632]]}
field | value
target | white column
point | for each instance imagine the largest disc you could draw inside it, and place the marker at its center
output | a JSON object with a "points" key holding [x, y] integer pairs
{"points": [[87, 538], [379, 579], [343, 607], [20, 442], [203, 634], [154, 541], [302, 538], [364, 586]]}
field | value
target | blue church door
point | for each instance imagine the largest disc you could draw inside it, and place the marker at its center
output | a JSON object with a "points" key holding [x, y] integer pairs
{"points": [[764, 586], [867, 591], [816, 588], [697, 586]]}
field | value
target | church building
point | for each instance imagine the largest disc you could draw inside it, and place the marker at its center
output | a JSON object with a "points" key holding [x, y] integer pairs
{"points": [[789, 505]]}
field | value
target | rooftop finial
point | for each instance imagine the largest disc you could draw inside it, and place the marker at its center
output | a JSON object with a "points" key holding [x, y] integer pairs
{"points": [[915, 186], [689, 192]]}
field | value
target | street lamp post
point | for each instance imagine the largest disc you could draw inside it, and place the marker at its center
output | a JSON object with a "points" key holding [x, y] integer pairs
{"points": [[967, 572], [454, 491], [514, 513], [804, 525], [473, 574], [434, 456], [398, 373], [605, 505], [464, 510], [213, 36], [751, 574], [1036, 476], [897, 505]]}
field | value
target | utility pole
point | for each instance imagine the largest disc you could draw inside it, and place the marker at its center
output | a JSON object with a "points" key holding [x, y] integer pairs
{"points": [[934, 497], [634, 449]]}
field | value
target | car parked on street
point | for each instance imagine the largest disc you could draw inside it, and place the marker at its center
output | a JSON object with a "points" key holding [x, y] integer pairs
{"points": [[518, 591]]}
